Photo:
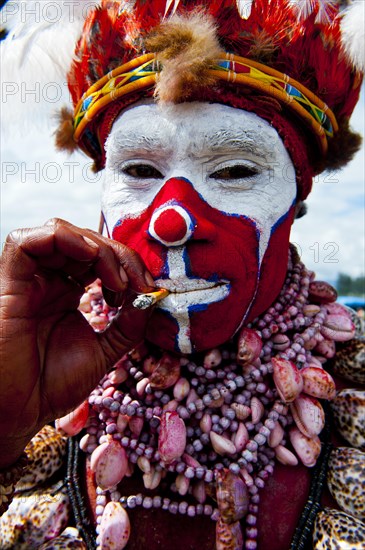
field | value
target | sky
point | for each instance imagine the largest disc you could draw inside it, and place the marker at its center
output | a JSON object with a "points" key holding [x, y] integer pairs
{"points": [[37, 183]]}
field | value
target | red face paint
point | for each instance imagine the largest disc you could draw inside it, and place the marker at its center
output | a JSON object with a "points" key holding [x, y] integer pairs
{"points": [[209, 260]]}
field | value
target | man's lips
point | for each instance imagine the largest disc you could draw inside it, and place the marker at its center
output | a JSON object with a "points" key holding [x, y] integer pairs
{"points": [[180, 285], [186, 293]]}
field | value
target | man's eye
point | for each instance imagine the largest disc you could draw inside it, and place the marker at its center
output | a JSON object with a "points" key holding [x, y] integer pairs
{"points": [[237, 172], [142, 171]]}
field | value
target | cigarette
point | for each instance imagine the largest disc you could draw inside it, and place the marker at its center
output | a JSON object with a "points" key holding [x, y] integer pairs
{"points": [[144, 301]]}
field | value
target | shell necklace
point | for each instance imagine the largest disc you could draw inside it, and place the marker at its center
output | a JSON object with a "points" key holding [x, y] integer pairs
{"points": [[209, 428]]}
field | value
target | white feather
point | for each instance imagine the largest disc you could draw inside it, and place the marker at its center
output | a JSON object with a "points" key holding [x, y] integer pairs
{"points": [[304, 8], [324, 9], [168, 6], [353, 34], [36, 56], [244, 8]]}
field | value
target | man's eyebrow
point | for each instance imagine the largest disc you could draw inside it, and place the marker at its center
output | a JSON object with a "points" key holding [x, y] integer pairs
{"points": [[135, 140], [237, 140], [201, 143]]}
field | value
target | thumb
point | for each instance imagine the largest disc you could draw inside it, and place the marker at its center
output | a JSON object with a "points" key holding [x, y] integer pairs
{"points": [[125, 332]]}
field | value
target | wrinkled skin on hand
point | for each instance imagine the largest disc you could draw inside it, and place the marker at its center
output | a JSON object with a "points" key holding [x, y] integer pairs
{"points": [[50, 358]]}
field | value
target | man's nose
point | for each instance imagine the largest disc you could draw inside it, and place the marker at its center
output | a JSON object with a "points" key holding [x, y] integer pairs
{"points": [[171, 225], [179, 214]]}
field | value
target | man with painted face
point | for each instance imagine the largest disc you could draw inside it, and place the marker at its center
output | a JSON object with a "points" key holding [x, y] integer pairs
{"points": [[192, 192], [210, 124]]}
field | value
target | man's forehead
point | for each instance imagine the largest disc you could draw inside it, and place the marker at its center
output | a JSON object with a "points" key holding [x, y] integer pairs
{"points": [[205, 127]]}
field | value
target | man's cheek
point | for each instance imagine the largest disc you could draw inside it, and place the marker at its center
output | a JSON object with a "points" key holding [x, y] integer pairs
{"points": [[133, 232]]}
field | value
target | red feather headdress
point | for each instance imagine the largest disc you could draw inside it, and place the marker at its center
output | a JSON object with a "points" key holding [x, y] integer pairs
{"points": [[290, 61]]}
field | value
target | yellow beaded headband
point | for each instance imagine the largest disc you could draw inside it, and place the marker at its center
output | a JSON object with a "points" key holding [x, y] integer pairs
{"points": [[142, 73]]}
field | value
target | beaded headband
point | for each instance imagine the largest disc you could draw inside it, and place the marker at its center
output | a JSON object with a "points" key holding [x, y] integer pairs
{"points": [[142, 72]]}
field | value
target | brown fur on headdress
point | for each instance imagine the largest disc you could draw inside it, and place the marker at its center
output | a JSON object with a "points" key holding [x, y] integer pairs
{"points": [[342, 148], [64, 133], [187, 48]]}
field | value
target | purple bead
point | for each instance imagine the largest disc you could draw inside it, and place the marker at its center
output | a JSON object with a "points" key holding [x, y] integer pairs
{"points": [[204, 438], [252, 446], [251, 519], [107, 401], [217, 429], [209, 476], [114, 407], [197, 444], [253, 490], [157, 502], [234, 468], [191, 511], [260, 483], [251, 532], [199, 472], [208, 510], [183, 412], [215, 515], [231, 386], [148, 452], [264, 431], [131, 502], [247, 455], [147, 503], [189, 472], [183, 506], [273, 415], [250, 544], [189, 449], [225, 423], [111, 428], [207, 400], [180, 467], [173, 507]]}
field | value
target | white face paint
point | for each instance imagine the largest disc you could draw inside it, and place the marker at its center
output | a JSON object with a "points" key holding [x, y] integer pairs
{"points": [[234, 161], [197, 141]]}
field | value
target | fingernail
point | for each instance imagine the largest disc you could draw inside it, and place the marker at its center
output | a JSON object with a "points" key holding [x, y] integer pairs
{"points": [[91, 243], [123, 275], [149, 279], [113, 299]]}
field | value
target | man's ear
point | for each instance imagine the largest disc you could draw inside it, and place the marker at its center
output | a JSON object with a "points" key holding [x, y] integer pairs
{"points": [[300, 210]]}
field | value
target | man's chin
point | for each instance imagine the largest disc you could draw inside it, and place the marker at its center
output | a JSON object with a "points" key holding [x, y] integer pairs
{"points": [[200, 335]]}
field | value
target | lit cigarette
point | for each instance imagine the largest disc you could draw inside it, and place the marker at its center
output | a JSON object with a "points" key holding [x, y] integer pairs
{"points": [[143, 301]]}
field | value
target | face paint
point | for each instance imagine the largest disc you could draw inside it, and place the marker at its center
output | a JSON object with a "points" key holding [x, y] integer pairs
{"points": [[204, 193]]}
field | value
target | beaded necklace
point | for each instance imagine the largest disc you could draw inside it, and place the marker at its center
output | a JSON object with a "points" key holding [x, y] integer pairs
{"points": [[207, 429]]}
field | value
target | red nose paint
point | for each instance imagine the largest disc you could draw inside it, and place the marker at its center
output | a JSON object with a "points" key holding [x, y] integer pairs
{"points": [[170, 226]]}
